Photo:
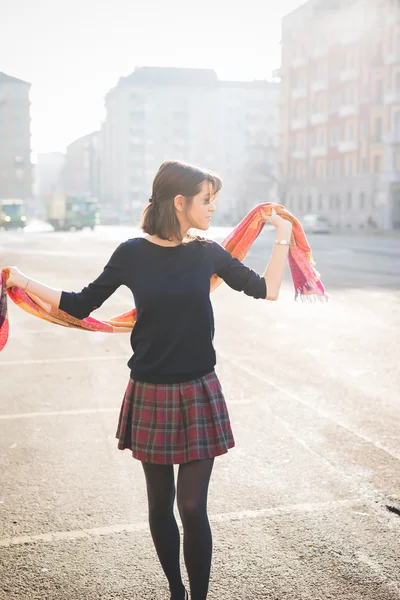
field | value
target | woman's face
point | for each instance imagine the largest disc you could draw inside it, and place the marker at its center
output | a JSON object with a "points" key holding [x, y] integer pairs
{"points": [[202, 207]]}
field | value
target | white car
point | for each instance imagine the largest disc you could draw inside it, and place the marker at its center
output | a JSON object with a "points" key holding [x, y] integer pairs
{"points": [[315, 224]]}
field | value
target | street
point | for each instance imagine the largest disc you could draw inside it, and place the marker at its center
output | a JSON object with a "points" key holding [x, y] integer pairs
{"points": [[305, 507]]}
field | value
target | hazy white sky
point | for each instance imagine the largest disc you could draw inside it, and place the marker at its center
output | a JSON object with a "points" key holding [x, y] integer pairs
{"points": [[74, 51]]}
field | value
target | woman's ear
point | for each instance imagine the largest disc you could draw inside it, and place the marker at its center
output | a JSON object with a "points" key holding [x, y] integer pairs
{"points": [[179, 202]]}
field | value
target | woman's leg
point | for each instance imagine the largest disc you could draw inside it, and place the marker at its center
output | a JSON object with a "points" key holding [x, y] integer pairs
{"points": [[193, 480], [163, 526]]}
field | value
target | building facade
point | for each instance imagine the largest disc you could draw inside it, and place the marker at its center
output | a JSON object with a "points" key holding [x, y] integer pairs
{"points": [[156, 114], [48, 172], [15, 139], [81, 171], [340, 112]]}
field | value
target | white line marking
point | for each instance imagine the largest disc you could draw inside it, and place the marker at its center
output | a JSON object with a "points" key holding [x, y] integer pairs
{"points": [[290, 394], [67, 254], [44, 361], [57, 413], [143, 526]]}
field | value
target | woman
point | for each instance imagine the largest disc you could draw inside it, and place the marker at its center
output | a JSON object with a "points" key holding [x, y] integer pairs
{"points": [[173, 411]]}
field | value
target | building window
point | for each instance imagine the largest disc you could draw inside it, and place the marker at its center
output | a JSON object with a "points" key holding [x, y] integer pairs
{"points": [[364, 164], [379, 91], [396, 161], [338, 202], [349, 201], [334, 135], [397, 82], [300, 202], [309, 204], [377, 164], [362, 200], [396, 128], [364, 92], [378, 129], [350, 167], [321, 170], [350, 95], [320, 202], [363, 128]]}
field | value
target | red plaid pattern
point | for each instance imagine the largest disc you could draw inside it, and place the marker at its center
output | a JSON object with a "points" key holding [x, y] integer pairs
{"points": [[174, 423]]}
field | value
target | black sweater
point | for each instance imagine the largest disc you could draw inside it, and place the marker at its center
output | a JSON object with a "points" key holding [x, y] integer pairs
{"points": [[172, 340]]}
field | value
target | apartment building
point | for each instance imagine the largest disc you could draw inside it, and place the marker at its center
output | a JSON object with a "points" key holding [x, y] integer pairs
{"points": [[340, 112], [81, 170], [156, 114], [15, 138]]}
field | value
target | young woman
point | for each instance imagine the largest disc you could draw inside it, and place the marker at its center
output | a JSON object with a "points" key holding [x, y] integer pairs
{"points": [[173, 411]]}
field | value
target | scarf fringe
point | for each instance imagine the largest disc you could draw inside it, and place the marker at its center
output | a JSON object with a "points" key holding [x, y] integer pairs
{"points": [[312, 298]]}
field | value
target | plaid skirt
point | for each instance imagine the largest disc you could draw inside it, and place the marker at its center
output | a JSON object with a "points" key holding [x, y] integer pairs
{"points": [[174, 423]]}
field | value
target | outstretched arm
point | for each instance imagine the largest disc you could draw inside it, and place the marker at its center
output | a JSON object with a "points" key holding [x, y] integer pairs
{"points": [[43, 292], [77, 304]]}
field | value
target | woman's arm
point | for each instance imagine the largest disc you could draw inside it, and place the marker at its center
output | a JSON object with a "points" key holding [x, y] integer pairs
{"points": [[43, 292], [275, 270], [78, 304], [242, 278]]}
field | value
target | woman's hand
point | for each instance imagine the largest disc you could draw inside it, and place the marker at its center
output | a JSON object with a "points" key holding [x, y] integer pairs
{"points": [[16, 278], [276, 220]]}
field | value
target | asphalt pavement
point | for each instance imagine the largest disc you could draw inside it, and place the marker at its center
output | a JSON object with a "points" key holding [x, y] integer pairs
{"points": [[306, 506]]}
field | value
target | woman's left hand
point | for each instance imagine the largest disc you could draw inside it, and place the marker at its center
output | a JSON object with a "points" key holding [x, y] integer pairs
{"points": [[277, 221]]}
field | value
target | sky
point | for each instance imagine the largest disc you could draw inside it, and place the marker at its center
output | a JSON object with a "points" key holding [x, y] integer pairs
{"points": [[73, 52]]}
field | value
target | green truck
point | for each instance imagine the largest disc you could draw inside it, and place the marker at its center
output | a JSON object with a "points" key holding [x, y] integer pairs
{"points": [[72, 212], [12, 214]]}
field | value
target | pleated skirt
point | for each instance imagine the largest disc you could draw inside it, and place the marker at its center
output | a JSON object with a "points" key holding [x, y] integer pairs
{"points": [[174, 423]]}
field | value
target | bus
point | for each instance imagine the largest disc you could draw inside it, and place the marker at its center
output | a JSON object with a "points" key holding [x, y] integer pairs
{"points": [[12, 214]]}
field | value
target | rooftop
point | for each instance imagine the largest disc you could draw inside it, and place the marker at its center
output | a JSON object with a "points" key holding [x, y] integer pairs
{"points": [[4, 78], [171, 76]]}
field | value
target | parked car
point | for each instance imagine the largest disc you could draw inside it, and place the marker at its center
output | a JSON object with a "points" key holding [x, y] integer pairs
{"points": [[316, 224]]}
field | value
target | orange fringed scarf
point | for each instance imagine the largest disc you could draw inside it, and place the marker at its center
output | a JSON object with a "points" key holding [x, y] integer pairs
{"points": [[305, 278]]}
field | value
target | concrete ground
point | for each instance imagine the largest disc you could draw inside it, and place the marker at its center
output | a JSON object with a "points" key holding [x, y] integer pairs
{"points": [[306, 506]]}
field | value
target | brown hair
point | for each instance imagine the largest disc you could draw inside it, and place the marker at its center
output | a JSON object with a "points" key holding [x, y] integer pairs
{"points": [[172, 179]]}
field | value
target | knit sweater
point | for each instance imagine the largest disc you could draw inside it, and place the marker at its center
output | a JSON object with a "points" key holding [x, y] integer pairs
{"points": [[172, 340]]}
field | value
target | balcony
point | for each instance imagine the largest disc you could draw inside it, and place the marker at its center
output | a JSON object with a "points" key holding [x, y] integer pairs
{"points": [[297, 124], [318, 151], [392, 176], [391, 138], [349, 37], [299, 93], [318, 119], [391, 59], [393, 98], [299, 61], [319, 52], [320, 85], [393, 16], [348, 110], [348, 146], [299, 154], [349, 74]]}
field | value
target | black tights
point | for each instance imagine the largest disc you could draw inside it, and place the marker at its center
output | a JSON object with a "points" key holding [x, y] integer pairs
{"points": [[192, 489]]}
